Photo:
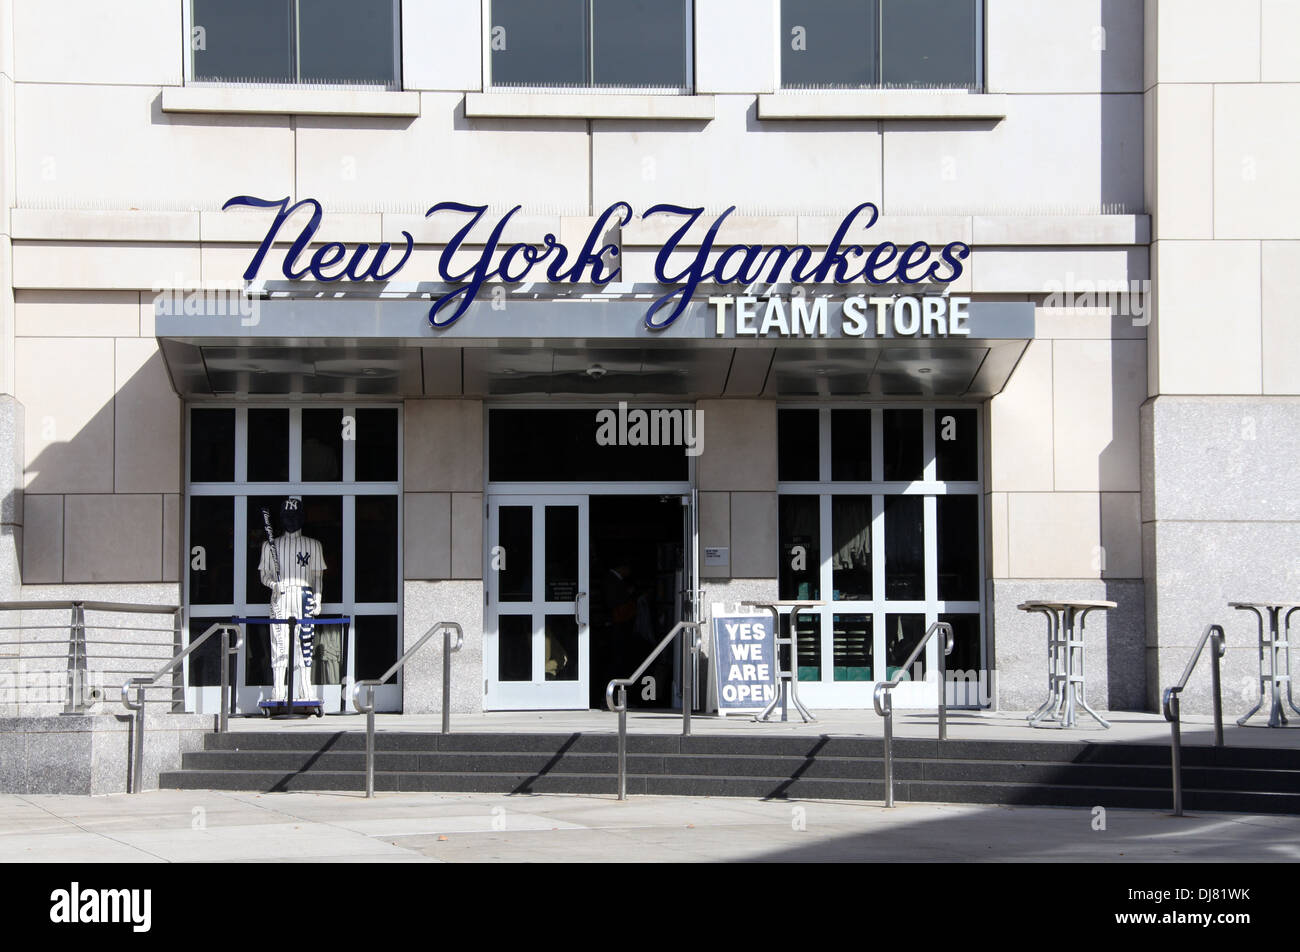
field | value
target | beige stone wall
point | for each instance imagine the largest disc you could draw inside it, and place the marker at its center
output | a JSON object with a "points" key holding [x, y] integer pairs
{"points": [[103, 441], [443, 482], [736, 475], [1223, 195], [1219, 507]]}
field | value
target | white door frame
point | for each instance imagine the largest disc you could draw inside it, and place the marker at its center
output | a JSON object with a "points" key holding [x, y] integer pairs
{"points": [[539, 692]]}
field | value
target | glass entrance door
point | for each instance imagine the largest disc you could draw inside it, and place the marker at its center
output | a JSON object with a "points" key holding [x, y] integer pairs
{"points": [[536, 644]]}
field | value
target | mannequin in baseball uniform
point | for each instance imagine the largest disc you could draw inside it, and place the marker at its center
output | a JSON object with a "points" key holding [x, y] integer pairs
{"points": [[295, 594]]}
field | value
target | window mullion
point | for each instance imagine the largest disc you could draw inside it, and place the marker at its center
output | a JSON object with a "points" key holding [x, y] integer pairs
{"points": [[295, 21]]}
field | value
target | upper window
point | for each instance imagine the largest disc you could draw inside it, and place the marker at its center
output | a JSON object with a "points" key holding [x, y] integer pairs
{"points": [[319, 42], [882, 44], [592, 43]]}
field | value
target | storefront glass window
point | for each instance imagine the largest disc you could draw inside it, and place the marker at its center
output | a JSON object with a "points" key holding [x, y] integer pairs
{"points": [[879, 515], [615, 43], [863, 44], [329, 42], [243, 460]]}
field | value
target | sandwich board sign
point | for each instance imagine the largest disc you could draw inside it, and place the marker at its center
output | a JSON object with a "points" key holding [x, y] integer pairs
{"points": [[744, 661]]}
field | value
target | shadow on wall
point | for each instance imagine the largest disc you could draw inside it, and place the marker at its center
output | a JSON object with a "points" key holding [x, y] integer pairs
{"points": [[95, 500]]}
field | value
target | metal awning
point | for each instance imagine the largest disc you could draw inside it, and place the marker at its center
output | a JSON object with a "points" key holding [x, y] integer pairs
{"points": [[385, 347]]}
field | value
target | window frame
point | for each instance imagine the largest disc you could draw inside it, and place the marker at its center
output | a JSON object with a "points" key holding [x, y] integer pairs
{"points": [[239, 488], [396, 84], [979, 87], [687, 90], [827, 691]]}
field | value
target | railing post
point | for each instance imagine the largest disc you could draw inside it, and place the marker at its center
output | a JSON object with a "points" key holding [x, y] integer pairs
{"points": [[1174, 714], [222, 721], [688, 675], [1217, 649], [944, 648], [137, 766], [889, 750], [76, 703], [622, 742], [446, 680], [370, 740]]}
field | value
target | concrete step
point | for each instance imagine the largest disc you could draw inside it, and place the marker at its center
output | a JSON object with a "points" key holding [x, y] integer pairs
{"points": [[1030, 773]]}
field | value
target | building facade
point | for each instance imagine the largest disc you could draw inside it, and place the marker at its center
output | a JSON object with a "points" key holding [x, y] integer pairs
{"points": [[1074, 375]]}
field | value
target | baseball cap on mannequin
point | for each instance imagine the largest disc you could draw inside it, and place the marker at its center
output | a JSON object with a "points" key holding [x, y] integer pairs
{"points": [[291, 514]]}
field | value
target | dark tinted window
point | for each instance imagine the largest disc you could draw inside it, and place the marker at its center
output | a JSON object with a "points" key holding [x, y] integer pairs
{"points": [[904, 548], [590, 42], [928, 42], [346, 41], [376, 645], [797, 445], [965, 655], [587, 444], [539, 44], [205, 661], [322, 445], [287, 41], [828, 42], [212, 533], [243, 40], [956, 444], [212, 445], [957, 524], [639, 42], [515, 648], [268, 446], [799, 529], [376, 445], [376, 552], [904, 444], [902, 634], [851, 444], [851, 555], [867, 43]]}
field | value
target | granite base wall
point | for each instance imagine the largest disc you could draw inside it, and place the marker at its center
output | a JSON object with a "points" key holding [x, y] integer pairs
{"points": [[1114, 656], [91, 754]]}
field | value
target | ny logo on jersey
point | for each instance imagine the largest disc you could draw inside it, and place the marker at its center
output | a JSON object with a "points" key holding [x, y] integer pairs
{"points": [[303, 558]]}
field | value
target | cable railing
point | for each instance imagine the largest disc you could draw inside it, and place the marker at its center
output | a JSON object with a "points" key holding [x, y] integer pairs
{"points": [[139, 684], [50, 666], [618, 704], [1214, 635], [883, 699], [367, 706]]}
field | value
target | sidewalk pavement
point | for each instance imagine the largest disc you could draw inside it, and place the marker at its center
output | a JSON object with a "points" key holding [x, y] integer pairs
{"points": [[213, 826]]}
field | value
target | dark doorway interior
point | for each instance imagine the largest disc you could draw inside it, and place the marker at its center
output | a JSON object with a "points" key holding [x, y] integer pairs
{"points": [[636, 582]]}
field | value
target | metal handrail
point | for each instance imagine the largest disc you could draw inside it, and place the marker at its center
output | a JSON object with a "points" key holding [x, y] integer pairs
{"points": [[619, 706], [77, 656], [141, 683], [128, 607], [367, 707], [883, 699], [1173, 714]]}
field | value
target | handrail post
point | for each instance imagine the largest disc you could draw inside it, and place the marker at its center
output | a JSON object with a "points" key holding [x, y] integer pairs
{"points": [[370, 741], [943, 682], [1217, 650], [447, 650], [1174, 715], [889, 749], [622, 742], [688, 675], [222, 716], [137, 766]]}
